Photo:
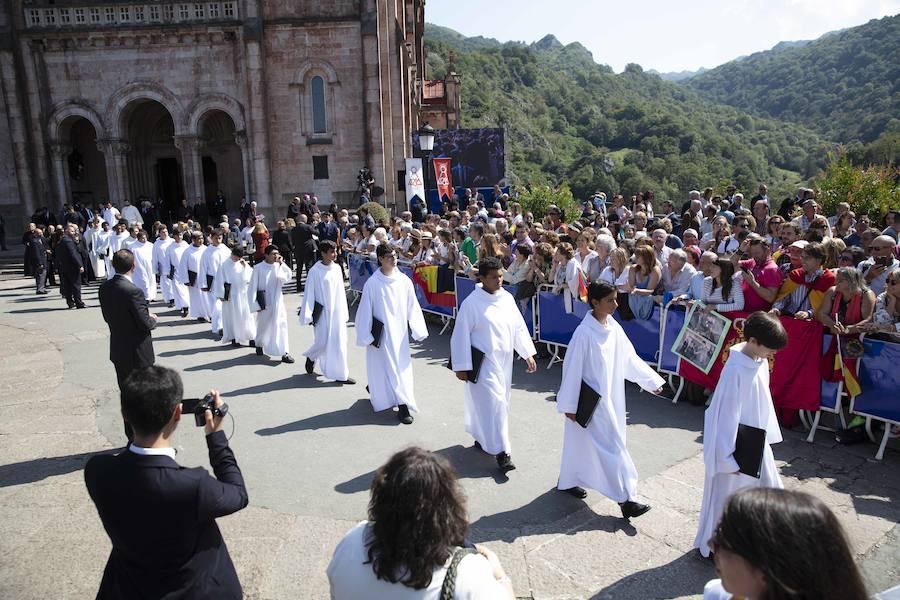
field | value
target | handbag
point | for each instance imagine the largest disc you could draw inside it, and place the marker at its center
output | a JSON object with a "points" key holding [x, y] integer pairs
{"points": [[449, 587]]}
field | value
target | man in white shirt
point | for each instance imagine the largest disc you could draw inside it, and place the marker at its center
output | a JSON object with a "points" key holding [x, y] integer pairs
{"points": [[659, 237], [131, 214], [677, 274]]}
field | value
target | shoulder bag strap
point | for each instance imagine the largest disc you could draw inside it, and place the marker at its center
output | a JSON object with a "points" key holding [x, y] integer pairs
{"points": [[449, 587]]}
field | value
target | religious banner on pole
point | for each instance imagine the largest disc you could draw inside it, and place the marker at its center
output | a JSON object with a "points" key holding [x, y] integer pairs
{"points": [[415, 180], [443, 178]]}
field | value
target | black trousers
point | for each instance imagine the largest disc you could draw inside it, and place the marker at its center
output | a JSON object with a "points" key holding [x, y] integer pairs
{"points": [[40, 279], [302, 260], [123, 370], [70, 286]]}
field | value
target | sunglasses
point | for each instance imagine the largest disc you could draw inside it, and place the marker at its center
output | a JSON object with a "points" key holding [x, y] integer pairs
{"points": [[874, 248]]}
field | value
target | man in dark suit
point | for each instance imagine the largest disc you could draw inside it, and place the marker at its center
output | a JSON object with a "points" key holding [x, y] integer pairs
{"points": [[304, 248], [71, 266], [38, 251], [130, 321], [161, 517]]}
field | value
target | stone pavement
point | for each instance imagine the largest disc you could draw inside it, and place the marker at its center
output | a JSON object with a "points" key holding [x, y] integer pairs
{"points": [[308, 450]]}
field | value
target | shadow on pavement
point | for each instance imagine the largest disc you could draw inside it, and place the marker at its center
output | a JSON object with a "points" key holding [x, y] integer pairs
{"points": [[197, 335], [295, 381], [360, 413], [684, 576], [245, 359], [216, 347], [39, 469]]}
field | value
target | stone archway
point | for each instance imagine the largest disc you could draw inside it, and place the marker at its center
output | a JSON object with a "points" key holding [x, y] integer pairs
{"points": [[152, 160], [79, 163], [221, 156]]}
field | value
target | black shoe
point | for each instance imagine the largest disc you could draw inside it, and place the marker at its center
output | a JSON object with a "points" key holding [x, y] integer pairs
{"points": [[367, 390], [82, 305], [259, 351], [478, 446], [235, 343], [201, 320], [854, 435], [348, 381], [287, 358], [171, 304], [403, 414], [504, 461], [252, 343], [71, 306], [221, 334], [632, 509], [310, 364], [42, 292], [184, 312], [578, 492]]}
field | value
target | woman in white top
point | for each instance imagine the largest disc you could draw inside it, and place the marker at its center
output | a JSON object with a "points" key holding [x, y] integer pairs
{"points": [[585, 255], [417, 524], [566, 270], [722, 291], [617, 272]]}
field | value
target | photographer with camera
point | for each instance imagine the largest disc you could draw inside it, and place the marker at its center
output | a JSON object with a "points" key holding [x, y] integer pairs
{"points": [[161, 517]]}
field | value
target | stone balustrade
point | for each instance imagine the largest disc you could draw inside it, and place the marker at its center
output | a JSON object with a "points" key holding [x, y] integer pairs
{"points": [[104, 15]]}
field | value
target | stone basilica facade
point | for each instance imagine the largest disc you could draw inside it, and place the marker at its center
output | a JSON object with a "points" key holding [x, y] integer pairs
{"points": [[122, 99]]}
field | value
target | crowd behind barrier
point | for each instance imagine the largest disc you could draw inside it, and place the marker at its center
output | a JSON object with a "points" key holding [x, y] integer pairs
{"points": [[796, 379]]}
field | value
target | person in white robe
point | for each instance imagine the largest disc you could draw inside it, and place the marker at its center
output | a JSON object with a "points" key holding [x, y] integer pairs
{"points": [[131, 214], [116, 242], [388, 296], [143, 276], [601, 356], [188, 270], [101, 246], [238, 323], [111, 214], [325, 285], [96, 245], [489, 320], [213, 257], [269, 277], [174, 254], [161, 264], [741, 397]]}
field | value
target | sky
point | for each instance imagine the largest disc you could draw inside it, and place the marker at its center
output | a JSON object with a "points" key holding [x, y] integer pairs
{"points": [[665, 35]]}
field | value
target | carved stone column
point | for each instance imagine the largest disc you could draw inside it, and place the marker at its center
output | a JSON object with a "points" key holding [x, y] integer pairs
{"points": [[115, 153], [60, 154], [191, 166], [240, 138]]}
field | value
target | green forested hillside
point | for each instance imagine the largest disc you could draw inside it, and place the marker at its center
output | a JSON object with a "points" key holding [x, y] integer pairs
{"points": [[845, 86], [570, 119]]}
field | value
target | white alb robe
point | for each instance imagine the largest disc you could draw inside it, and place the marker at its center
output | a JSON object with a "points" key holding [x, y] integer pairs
{"points": [[596, 457], [742, 397], [271, 323], [101, 247], [116, 243], [238, 323], [161, 267], [92, 237], [179, 291], [132, 215], [212, 259], [325, 285], [143, 269], [190, 261], [111, 215], [392, 300], [493, 324]]}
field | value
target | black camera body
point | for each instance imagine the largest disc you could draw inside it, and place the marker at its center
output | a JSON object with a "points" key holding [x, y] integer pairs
{"points": [[204, 404]]}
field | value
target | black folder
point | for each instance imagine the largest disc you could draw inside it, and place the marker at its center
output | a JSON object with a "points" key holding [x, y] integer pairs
{"points": [[377, 330], [192, 278], [477, 359], [209, 281], [317, 312], [227, 295], [587, 404], [171, 271], [261, 299], [748, 449]]}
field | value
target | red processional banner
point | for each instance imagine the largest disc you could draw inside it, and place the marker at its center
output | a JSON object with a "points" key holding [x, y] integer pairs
{"points": [[443, 177]]}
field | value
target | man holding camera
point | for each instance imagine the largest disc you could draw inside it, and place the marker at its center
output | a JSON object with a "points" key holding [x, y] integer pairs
{"points": [[160, 517]]}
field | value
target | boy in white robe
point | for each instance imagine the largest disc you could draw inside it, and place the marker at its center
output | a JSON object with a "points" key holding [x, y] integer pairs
{"points": [[92, 237], [174, 253], [238, 323], [489, 320], [143, 275], [269, 277], [188, 271], [161, 264], [741, 397], [101, 248], [325, 285], [116, 242], [601, 356], [213, 257], [388, 296]]}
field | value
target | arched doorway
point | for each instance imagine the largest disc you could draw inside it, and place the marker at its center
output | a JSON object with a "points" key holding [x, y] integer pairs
{"points": [[153, 161], [221, 158], [84, 163]]}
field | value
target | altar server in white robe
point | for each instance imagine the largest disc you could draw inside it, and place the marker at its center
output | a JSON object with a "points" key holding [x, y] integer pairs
{"points": [[388, 296], [143, 275], [174, 254], [269, 277], [188, 270], [161, 264], [215, 254], [117, 240], [489, 320], [741, 397], [601, 356], [101, 248], [325, 285], [92, 236], [238, 323]]}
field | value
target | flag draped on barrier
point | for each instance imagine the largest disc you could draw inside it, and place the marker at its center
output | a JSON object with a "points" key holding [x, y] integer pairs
{"points": [[437, 284]]}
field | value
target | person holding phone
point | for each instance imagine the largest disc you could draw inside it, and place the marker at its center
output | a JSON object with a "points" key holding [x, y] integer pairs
{"points": [[267, 301], [880, 263], [161, 517]]}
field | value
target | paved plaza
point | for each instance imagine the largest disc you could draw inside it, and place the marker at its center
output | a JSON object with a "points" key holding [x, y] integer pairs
{"points": [[308, 450]]}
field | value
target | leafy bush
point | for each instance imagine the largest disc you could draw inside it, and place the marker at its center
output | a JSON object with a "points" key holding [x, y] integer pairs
{"points": [[377, 212], [870, 190], [537, 199]]}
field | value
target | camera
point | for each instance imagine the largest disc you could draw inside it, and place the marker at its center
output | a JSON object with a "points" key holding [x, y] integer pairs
{"points": [[364, 177], [199, 406]]}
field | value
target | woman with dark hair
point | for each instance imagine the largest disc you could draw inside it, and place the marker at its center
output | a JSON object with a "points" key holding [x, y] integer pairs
{"points": [[721, 292], [414, 543], [772, 544], [643, 278]]}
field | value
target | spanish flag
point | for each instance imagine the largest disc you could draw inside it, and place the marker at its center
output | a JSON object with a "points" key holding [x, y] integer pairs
{"points": [[437, 283], [582, 287], [817, 287], [837, 366]]}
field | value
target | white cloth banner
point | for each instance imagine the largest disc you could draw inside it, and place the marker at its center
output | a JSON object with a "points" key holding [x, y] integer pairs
{"points": [[415, 179]]}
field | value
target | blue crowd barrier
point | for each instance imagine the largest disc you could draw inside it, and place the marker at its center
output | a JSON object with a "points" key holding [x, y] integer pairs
{"points": [[830, 391], [674, 317], [359, 270], [879, 379], [465, 286]]}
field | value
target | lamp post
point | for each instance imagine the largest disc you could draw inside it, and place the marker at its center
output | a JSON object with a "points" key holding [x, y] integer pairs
{"points": [[426, 145]]}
